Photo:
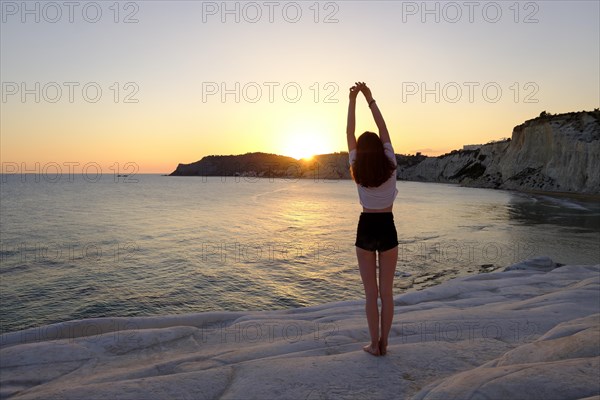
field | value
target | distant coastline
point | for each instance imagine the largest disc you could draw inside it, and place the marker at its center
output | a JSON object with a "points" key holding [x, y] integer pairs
{"points": [[548, 154]]}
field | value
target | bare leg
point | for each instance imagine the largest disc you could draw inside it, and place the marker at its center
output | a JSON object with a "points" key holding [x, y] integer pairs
{"points": [[368, 273], [387, 268]]}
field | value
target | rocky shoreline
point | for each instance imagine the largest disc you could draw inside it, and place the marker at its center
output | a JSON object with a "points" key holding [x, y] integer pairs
{"points": [[528, 332]]}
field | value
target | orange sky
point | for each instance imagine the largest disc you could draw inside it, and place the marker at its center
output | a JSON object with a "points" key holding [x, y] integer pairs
{"points": [[175, 88]]}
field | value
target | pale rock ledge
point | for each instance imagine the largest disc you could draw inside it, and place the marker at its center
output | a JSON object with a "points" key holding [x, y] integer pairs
{"points": [[527, 333]]}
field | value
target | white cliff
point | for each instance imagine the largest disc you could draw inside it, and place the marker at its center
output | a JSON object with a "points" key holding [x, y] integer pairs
{"points": [[552, 153]]}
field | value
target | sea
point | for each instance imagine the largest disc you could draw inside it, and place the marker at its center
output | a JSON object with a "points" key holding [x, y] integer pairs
{"points": [[150, 244]]}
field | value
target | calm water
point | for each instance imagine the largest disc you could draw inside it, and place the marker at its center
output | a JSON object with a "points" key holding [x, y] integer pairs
{"points": [[167, 245]]}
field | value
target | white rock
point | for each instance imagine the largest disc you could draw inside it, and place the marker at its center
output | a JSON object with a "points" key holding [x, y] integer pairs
{"points": [[528, 333]]}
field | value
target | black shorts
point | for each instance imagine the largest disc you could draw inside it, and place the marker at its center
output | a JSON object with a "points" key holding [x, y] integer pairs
{"points": [[376, 232]]}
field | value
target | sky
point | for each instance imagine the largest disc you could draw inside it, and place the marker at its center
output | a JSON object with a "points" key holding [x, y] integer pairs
{"points": [[146, 85]]}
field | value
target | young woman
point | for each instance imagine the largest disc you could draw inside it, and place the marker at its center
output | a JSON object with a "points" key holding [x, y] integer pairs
{"points": [[373, 168]]}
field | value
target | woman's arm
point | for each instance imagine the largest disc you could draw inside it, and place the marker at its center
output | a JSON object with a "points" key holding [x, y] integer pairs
{"points": [[383, 132], [351, 124]]}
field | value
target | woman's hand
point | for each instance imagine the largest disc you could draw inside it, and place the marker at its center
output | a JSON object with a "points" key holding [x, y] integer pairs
{"points": [[354, 90], [365, 90]]}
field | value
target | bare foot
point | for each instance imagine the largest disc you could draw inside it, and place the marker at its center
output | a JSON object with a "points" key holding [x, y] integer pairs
{"points": [[371, 349], [382, 347]]}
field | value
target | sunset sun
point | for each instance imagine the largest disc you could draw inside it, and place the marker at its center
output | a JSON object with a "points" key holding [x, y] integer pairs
{"points": [[306, 142], [299, 149]]}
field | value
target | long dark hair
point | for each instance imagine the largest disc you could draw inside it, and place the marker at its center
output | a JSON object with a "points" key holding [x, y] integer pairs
{"points": [[371, 167]]}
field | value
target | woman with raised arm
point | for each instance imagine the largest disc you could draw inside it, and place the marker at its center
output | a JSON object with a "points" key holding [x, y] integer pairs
{"points": [[373, 168]]}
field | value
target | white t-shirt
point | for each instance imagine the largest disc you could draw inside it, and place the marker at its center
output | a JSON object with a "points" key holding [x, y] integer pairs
{"points": [[383, 195]]}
